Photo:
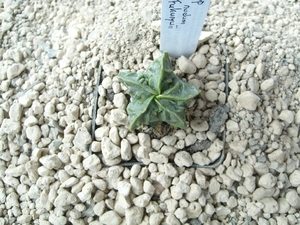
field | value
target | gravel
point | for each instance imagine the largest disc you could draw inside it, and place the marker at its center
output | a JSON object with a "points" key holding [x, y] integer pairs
{"points": [[236, 163]]}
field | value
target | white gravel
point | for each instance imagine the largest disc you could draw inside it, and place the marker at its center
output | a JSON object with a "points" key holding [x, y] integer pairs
{"points": [[49, 58]]}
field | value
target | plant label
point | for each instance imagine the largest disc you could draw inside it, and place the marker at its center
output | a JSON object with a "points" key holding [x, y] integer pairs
{"points": [[181, 25]]}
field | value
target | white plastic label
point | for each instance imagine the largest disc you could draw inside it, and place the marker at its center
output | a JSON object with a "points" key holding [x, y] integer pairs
{"points": [[181, 25]]}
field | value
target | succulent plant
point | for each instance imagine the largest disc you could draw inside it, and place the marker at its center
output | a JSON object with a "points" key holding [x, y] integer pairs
{"points": [[157, 95]]}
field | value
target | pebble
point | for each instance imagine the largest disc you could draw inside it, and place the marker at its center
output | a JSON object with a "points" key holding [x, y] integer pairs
{"points": [[171, 219], [111, 152], [209, 209], [283, 71], [222, 196], [212, 69], [148, 188], [247, 169], [155, 218], [260, 193], [134, 215], [92, 163], [252, 209], [240, 53], [170, 170], [183, 158], [277, 155], [135, 170], [193, 210], [99, 208], [277, 127], [15, 54], [82, 138], [57, 219], [64, 198], [9, 126], [283, 205], [101, 132], [230, 172], [124, 188], [293, 198], [250, 183], [72, 112], [199, 125], [34, 133], [214, 60], [117, 117], [214, 186], [157, 157], [222, 211], [164, 180], [69, 182], [253, 85], [270, 205], [51, 161], [142, 200], [114, 135], [15, 112], [267, 180], [120, 101], [297, 117], [110, 218], [126, 153], [194, 193], [185, 65], [211, 95], [15, 171], [30, 121], [294, 178], [201, 159], [248, 100], [107, 82], [260, 69], [232, 125], [156, 144], [180, 213], [199, 60], [232, 202], [238, 146], [136, 185], [142, 154], [287, 116], [171, 204], [144, 139], [100, 184], [250, 69], [211, 85], [15, 70], [96, 146], [155, 25], [190, 139], [204, 36], [267, 85], [234, 86], [168, 150], [168, 140]]}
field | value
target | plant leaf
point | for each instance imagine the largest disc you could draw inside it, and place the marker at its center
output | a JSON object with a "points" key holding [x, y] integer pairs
{"points": [[171, 112], [140, 111], [157, 95], [136, 84], [160, 74], [180, 91]]}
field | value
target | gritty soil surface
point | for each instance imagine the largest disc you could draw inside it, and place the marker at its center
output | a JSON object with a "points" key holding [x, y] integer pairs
{"points": [[68, 159]]}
